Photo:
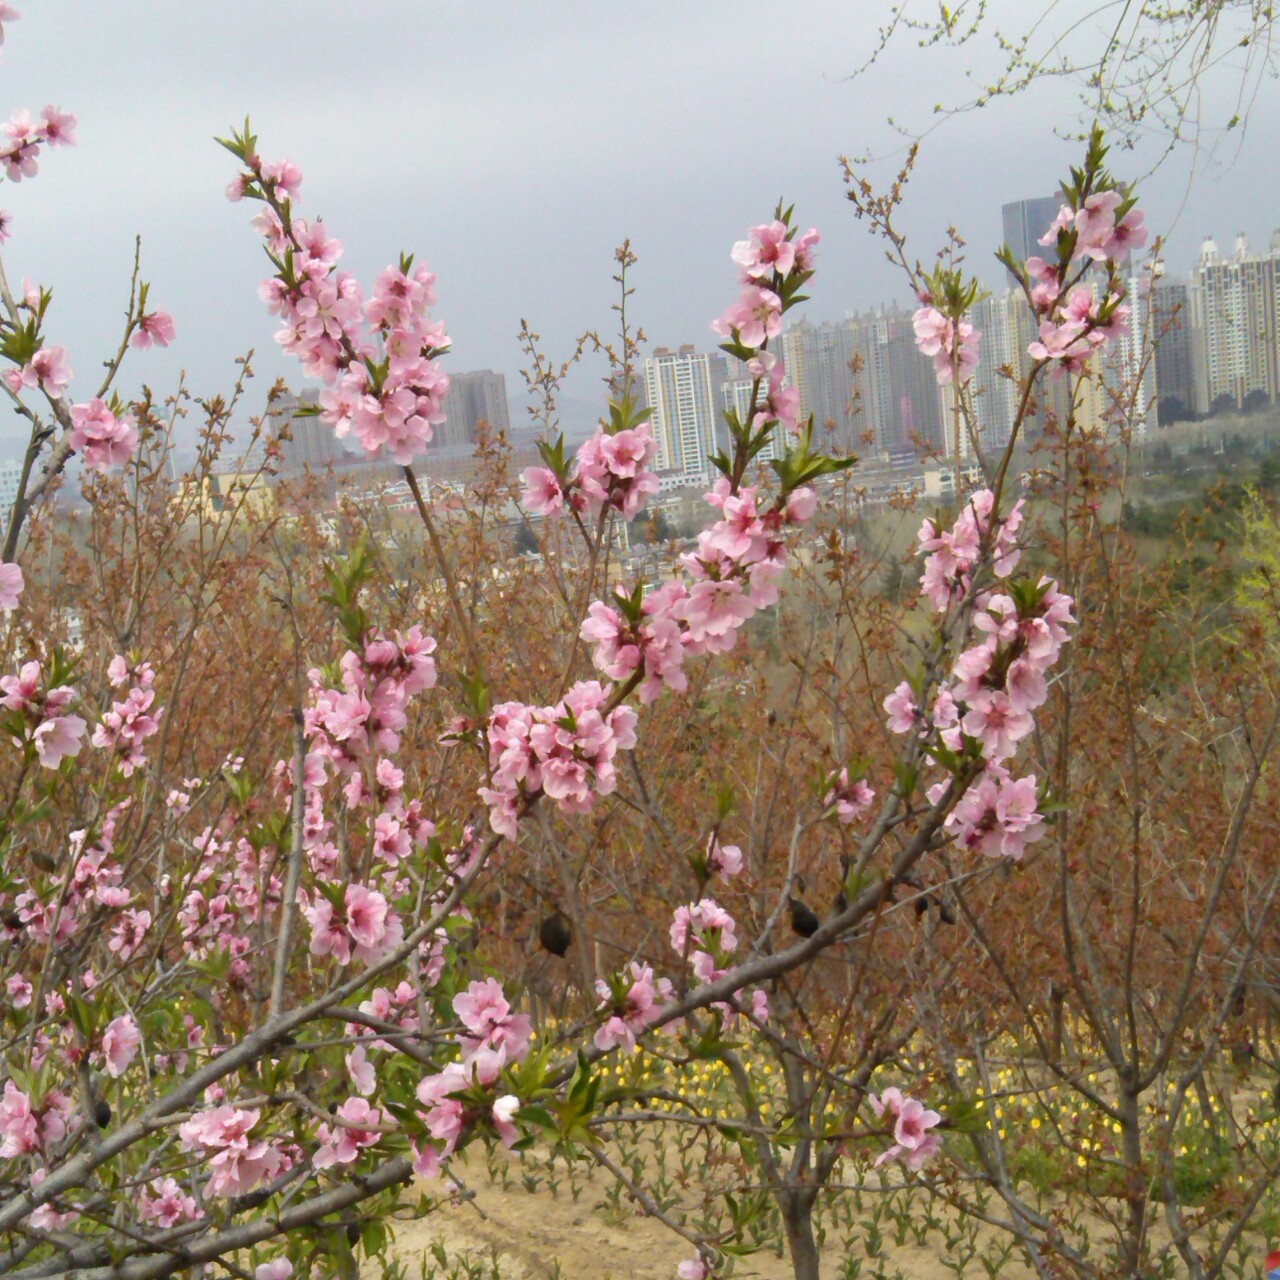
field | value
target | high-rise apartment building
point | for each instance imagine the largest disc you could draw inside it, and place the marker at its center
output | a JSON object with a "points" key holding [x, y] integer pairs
{"points": [[1025, 221], [473, 398], [995, 395], [1175, 348], [684, 391], [1129, 377], [736, 396], [1233, 304], [311, 444], [821, 361], [10, 478], [902, 396]]}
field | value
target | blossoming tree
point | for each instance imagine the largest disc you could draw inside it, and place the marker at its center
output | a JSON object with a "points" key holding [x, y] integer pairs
{"points": [[244, 1003]]}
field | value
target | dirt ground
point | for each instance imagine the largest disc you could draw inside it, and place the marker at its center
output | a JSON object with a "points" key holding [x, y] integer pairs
{"points": [[538, 1236]]}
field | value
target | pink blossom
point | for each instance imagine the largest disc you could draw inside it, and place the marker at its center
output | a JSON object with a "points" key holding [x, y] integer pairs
{"points": [[997, 816], [239, 1164], [850, 799], [489, 1022], [1063, 222], [754, 318], [120, 1043], [1129, 233], [47, 369], [19, 1127], [103, 439], [155, 326], [20, 690], [542, 493], [357, 1128], [59, 734], [11, 584], [767, 250], [996, 723], [902, 709], [723, 860], [705, 922], [503, 1114], [633, 1010], [130, 722], [364, 1078], [166, 1204], [276, 1269], [804, 249], [59, 126], [1095, 224], [953, 345], [284, 178], [912, 1141]]}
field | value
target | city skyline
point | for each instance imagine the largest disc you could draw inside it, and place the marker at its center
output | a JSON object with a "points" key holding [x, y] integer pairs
{"points": [[518, 160]]}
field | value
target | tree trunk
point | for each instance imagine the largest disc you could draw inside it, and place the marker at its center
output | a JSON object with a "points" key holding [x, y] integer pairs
{"points": [[797, 1221]]}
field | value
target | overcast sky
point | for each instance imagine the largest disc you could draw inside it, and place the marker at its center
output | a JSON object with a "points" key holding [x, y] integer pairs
{"points": [[511, 147]]}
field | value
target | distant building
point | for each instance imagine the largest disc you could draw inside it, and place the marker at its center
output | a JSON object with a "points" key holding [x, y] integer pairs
{"points": [[473, 398], [306, 443], [233, 492], [1130, 377], [1025, 221], [821, 362], [1175, 349], [10, 478], [736, 396], [1233, 304], [684, 391]]}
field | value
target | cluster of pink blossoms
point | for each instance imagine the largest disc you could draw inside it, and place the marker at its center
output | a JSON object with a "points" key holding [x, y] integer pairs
{"points": [[165, 1203], [1074, 324], [610, 470], [735, 568], [492, 1037], [768, 254], [100, 437], [370, 710], [51, 727], [96, 880], [632, 1003], [21, 154], [232, 887], [385, 387], [236, 1163], [130, 722], [733, 573], [565, 752], [913, 1143], [952, 344], [996, 684], [348, 729], [26, 1129], [1099, 234], [356, 1126], [364, 928], [706, 934]]}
